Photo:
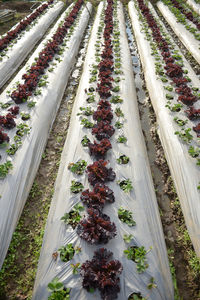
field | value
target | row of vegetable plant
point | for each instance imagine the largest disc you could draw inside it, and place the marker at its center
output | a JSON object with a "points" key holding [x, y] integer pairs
{"points": [[29, 122], [19, 41], [186, 31], [23, 24], [110, 78], [179, 92], [182, 12]]}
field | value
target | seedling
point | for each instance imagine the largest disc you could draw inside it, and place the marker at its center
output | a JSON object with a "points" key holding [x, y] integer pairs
{"points": [[127, 238], [137, 296], [116, 99], [86, 123], [119, 112], [169, 96], [87, 111], [118, 125], [152, 284], [125, 185], [75, 268], [73, 217], [78, 167], [122, 139], [25, 116], [123, 159], [58, 290], [180, 122], [126, 217], [138, 255], [76, 187], [85, 141], [194, 152], [31, 104], [116, 89], [185, 135], [90, 99], [66, 252], [4, 169], [13, 149], [169, 88]]}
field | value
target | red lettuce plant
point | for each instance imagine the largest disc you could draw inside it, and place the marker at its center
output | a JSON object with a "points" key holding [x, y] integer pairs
{"points": [[96, 228], [197, 129], [32, 77], [99, 150], [14, 110], [7, 121], [193, 113], [98, 173], [104, 114], [3, 137], [103, 130], [102, 273], [98, 197]]}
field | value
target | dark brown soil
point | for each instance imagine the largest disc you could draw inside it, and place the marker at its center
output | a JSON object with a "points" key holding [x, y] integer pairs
{"points": [[19, 6]]}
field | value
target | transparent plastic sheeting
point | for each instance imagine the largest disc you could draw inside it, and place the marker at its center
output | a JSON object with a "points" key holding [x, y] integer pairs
{"points": [[183, 168], [16, 55], [15, 188], [141, 201], [182, 33], [195, 6]]}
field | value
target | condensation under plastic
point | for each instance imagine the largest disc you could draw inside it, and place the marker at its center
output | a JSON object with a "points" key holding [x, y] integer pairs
{"points": [[195, 6], [183, 168], [14, 189], [183, 34], [141, 201], [16, 55]]}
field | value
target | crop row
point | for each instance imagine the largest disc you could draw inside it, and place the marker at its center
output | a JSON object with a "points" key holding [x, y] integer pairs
{"points": [[19, 41], [120, 213], [177, 110], [44, 77]]}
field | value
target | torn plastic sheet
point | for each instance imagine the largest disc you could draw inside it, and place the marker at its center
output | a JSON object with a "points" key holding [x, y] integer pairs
{"points": [[195, 6], [141, 201], [15, 188], [16, 55], [184, 170], [182, 33]]}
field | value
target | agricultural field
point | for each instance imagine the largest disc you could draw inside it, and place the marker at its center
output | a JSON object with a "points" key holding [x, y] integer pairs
{"points": [[100, 152]]}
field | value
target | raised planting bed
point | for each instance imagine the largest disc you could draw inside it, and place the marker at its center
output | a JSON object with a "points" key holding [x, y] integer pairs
{"points": [[20, 40], [27, 124], [175, 98], [104, 210], [186, 31]]}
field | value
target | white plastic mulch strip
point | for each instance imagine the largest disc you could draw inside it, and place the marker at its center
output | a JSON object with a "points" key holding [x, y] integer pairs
{"points": [[183, 167], [141, 201], [183, 34], [17, 53], [15, 188], [195, 6]]}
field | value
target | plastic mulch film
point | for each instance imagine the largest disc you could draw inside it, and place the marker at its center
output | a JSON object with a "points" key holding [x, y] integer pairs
{"points": [[182, 33], [16, 55], [141, 201], [195, 6], [183, 167], [15, 188]]}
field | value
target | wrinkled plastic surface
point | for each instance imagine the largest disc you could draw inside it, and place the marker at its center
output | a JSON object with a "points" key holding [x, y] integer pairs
{"points": [[182, 33], [141, 201], [195, 6], [15, 188], [16, 55], [183, 168]]}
